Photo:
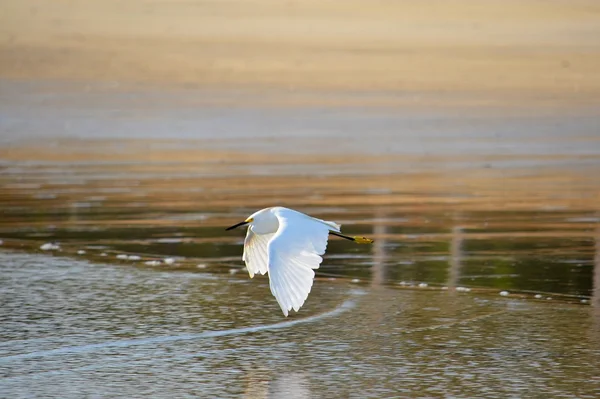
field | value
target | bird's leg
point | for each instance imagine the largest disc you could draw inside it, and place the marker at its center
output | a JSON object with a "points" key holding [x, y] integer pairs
{"points": [[356, 239]]}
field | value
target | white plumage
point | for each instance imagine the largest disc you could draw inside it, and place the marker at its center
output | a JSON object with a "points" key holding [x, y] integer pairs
{"points": [[288, 245]]}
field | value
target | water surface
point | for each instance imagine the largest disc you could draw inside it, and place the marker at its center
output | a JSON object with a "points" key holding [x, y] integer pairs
{"points": [[118, 278]]}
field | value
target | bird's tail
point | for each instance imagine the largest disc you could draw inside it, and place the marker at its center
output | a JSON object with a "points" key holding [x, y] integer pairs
{"points": [[333, 225]]}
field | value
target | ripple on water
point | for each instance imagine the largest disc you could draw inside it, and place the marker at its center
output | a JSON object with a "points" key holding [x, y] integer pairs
{"points": [[73, 328]]}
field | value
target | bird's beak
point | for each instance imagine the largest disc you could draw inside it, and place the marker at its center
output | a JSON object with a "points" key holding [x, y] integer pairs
{"points": [[239, 224]]}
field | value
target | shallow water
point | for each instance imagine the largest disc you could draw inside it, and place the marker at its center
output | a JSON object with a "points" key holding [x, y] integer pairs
{"points": [[145, 294], [72, 328]]}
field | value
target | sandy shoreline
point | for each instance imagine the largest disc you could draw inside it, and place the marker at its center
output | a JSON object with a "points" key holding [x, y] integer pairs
{"points": [[515, 52]]}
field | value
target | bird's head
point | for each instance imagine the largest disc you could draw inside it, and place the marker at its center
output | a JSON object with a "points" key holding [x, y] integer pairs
{"points": [[262, 222]]}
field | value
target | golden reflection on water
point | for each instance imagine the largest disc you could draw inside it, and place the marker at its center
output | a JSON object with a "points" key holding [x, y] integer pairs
{"points": [[153, 199]]}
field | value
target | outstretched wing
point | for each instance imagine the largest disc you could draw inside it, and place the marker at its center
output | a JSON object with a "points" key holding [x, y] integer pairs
{"points": [[256, 254], [294, 251]]}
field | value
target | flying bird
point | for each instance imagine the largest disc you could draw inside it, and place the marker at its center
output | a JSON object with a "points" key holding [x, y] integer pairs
{"points": [[288, 245]]}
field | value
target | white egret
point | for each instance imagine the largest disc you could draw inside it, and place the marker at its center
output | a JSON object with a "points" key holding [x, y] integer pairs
{"points": [[288, 245]]}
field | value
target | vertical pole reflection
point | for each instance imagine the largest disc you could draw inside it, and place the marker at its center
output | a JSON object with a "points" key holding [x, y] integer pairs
{"points": [[73, 212], [290, 386], [455, 257], [595, 302], [596, 283], [256, 388], [379, 252]]}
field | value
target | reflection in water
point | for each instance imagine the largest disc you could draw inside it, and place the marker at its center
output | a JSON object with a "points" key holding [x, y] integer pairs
{"points": [[257, 383], [596, 290], [537, 241], [455, 257], [142, 296], [292, 386], [379, 248], [595, 300]]}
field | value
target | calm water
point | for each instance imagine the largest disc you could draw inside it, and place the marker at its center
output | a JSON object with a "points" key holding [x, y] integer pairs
{"points": [[139, 291]]}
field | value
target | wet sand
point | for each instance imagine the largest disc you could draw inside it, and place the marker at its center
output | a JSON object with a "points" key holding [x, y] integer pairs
{"points": [[449, 53]]}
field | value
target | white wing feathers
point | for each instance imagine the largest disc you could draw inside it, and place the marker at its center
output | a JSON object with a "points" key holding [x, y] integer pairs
{"points": [[293, 252], [256, 254]]}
